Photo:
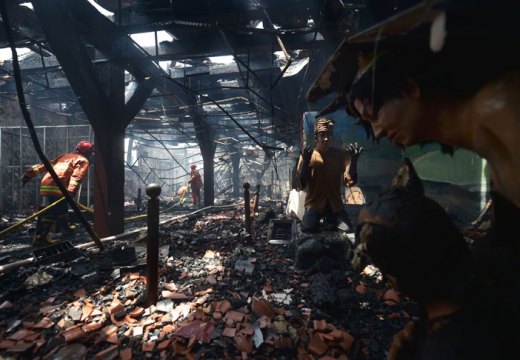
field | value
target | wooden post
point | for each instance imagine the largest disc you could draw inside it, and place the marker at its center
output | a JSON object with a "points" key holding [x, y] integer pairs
{"points": [[255, 201], [138, 200], [152, 245], [247, 208]]}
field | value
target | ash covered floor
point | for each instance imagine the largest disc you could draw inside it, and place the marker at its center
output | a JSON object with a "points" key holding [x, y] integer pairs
{"points": [[222, 295]]}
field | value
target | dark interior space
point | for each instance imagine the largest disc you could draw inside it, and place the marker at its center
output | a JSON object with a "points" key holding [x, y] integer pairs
{"points": [[153, 263]]}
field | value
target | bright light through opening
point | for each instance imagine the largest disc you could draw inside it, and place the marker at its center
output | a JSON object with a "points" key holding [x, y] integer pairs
{"points": [[5, 53], [226, 59], [148, 39]]}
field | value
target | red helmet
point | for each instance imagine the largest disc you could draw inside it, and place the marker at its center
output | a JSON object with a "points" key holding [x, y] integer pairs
{"points": [[193, 166], [85, 148]]}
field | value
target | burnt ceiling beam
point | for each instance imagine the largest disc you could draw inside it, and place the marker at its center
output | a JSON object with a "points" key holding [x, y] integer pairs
{"points": [[139, 97], [211, 44], [74, 60], [25, 28], [193, 16], [120, 48]]}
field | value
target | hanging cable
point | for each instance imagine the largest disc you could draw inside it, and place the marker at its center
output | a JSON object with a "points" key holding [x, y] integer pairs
{"points": [[32, 132]]}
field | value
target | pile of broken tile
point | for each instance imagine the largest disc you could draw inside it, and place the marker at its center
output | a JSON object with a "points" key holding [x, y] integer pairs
{"points": [[223, 294]]}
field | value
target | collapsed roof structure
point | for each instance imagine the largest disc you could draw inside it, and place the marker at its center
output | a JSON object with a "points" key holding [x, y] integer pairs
{"points": [[129, 68]]}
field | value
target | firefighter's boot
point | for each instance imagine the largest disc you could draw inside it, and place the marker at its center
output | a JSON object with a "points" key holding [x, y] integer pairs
{"points": [[63, 227], [42, 237]]}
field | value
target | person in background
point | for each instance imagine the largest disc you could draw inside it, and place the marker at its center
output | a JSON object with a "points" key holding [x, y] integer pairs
{"points": [[195, 183], [71, 169], [320, 172]]}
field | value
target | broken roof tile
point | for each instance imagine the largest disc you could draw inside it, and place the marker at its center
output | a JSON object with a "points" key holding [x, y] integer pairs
{"points": [[44, 323], [175, 295], [22, 334], [92, 326], [108, 353], [86, 311], [189, 328], [164, 344], [229, 332], [73, 334], [80, 293], [347, 341], [6, 344], [134, 276], [234, 316], [6, 305], [148, 346], [115, 307], [137, 312], [317, 346], [243, 343], [222, 306], [391, 297], [178, 347], [319, 324], [21, 347], [204, 292], [361, 288], [247, 329], [113, 339], [125, 354], [168, 328], [261, 306], [171, 287], [28, 324]]}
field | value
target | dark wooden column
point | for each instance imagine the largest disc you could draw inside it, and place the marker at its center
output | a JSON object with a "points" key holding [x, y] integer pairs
{"points": [[207, 148], [235, 163], [109, 173]]}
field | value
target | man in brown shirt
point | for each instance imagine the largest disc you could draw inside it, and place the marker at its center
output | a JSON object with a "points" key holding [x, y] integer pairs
{"points": [[320, 172]]}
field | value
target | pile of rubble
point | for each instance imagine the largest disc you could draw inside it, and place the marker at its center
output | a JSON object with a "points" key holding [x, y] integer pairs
{"points": [[223, 294]]}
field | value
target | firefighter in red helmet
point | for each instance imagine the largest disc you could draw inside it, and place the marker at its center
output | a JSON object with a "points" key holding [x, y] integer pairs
{"points": [[195, 183], [71, 169]]}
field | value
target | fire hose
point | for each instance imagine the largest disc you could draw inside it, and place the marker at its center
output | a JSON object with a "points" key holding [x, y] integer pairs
{"points": [[86, 208], [15, 226]]}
